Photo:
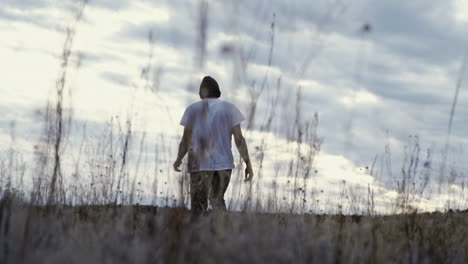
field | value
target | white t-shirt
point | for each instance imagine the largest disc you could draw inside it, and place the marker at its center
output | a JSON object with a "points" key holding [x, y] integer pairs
{"points": [[211, 121]]}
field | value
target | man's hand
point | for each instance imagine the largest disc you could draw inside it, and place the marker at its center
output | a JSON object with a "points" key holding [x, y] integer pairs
{"points": [[248, 172], [177, 164]]}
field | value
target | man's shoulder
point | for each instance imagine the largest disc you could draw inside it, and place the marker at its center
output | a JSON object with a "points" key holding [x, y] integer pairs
{"points": [[228, 104], [199, 104], [194, 105]]}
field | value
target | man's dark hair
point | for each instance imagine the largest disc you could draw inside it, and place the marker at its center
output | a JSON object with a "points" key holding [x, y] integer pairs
{"points": [[211, 85]]}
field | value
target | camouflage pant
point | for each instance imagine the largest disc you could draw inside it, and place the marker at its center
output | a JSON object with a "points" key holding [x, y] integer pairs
{"points": [[212, 183]]}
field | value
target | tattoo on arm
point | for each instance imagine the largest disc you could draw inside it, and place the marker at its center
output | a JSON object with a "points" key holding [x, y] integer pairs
{"points": [[184, 145], [243, 150], [241, 143]]}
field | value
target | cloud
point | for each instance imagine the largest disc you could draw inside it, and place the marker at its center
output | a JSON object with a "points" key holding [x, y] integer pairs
{"points": [[114, 5], [414, 29], [27, 4], [116, 78]]}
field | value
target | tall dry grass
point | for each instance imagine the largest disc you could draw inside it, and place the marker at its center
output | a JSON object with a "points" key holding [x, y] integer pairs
{"points": [[96, 209]]}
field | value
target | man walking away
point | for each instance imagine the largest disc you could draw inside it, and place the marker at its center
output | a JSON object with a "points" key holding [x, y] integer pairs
{"points": [[209, 125]]}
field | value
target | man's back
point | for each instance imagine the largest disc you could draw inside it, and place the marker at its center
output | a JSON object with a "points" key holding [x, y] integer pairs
{"points": [[211, 121]]}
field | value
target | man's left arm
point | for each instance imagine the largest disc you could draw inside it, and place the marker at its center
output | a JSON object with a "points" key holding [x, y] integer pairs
{"points": [[183, 148]]}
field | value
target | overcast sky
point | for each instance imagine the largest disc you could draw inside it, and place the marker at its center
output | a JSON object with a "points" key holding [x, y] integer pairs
{"points": [[376, 72]]}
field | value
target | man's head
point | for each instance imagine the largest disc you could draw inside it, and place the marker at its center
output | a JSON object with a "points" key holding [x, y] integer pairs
{"points": [[209, 88]]}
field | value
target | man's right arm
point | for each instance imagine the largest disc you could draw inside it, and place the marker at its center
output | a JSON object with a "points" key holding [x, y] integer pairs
{"points": [[244, 152]]}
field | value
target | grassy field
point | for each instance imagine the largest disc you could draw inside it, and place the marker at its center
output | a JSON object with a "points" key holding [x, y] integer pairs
{"points": [[78, 199], [146, 234]]}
